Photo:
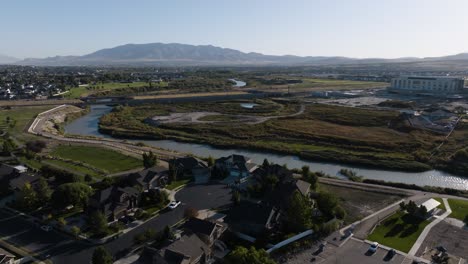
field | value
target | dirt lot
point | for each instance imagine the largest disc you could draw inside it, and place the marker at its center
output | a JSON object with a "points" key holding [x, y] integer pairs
{"points": [[451, 237], [359, 204]]}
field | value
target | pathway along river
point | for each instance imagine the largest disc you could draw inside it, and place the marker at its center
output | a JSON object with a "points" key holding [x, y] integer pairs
{"points": [[88, 125]]}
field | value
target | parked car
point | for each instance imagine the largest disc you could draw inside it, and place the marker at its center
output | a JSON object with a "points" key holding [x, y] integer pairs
{"points": [[391, 253], [174, 204], [373, 248], [46, 228]]}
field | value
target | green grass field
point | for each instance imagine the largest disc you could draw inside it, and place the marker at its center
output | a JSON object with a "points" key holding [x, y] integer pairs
{"points": [[77, 92], [459, 208], [101, 158], [82, 170], [400, 231], [441, 205], [20, 117], [176, 184]]}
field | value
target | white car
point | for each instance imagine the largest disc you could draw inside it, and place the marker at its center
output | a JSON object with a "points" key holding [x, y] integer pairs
{"points": [[174, 204], [373, 248], [46, 228]]}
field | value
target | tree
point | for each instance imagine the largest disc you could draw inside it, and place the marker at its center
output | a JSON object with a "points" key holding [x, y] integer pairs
{"points": [[190, 212], [43, 191], [266, 163], [411, 208], [8, 146], [101, 256], [305, 171], [28, 197], [149, 160], [210, 161], [421, 211], [36, 146], [466, 220], [299, 213], [340, 212], [75, 194], [75, 231], [97, 223], [327, 202], [242, 255]]}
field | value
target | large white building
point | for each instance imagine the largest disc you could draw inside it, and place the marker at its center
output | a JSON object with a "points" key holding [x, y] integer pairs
{"points": [[428, 84]]}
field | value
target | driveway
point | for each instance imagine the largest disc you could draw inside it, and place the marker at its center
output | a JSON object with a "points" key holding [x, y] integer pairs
{"points": [[197, 196]]}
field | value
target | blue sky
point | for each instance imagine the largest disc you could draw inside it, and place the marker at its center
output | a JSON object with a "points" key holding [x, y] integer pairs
{"points": [[353, 28]]}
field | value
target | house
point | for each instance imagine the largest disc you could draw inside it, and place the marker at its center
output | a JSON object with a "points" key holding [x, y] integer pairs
{"points": [[150, 178], [6, 257], [280, 196], [207, 231], [273, 169], [187, 167], [150, 256], [114, 202], [237, 167], [252, 218], [189, 249]]}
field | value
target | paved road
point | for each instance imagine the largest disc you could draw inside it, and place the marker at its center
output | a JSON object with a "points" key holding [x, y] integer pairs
{"points": [[200, 197], [16, 230]]}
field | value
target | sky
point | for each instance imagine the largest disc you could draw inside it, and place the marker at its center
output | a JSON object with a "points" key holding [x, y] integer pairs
{"points": [[352, 28]]}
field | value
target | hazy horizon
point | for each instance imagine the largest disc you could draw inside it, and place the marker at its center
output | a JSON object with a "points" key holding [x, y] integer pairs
{"points": [[362, 29]]}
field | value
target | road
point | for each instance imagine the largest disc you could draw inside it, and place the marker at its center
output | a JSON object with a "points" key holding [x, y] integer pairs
{"points": [[62, 249]]}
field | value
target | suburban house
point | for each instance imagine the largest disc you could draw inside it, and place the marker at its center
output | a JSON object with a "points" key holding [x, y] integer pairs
{"points": [[114, 202], [188, 249], [198, 244], [207, 231], [237, 167], [273, 169], [187, 167], [151, 178], [252, 218], [12, 179]]}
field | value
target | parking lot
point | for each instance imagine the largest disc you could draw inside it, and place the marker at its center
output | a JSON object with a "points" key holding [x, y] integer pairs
{"points": [[354, 251]]}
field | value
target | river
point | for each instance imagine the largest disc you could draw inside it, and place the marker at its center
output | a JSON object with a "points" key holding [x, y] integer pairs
{"points": [[238, 83], [88, 125]]}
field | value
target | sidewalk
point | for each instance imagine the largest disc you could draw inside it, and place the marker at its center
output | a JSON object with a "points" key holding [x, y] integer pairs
{"points": [[428, 228]]}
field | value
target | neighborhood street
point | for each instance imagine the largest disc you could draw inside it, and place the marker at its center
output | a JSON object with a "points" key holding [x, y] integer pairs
{"points": [[62, 249]]}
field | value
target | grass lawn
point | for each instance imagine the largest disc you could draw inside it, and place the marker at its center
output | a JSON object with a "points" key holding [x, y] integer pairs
{"points": [[78, 92], [441, 205], [400, 231], [72, 167], [176, 184], [101, 158], [459, 208], [20, 117], [30, 163]]}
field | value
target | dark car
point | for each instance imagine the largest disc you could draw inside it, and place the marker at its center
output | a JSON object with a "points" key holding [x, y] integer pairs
{"points": [[391, 253]]}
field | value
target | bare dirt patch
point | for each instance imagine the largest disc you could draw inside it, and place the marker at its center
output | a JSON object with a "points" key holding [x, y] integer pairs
{"points": [[451, 237]]}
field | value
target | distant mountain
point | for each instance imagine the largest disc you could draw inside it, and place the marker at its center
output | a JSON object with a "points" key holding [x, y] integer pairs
{"points": [[175, 54], [7, 59]]}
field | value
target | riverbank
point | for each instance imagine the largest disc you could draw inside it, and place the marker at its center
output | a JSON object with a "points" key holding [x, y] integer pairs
{"points": [[361, 137], [87, 127]]}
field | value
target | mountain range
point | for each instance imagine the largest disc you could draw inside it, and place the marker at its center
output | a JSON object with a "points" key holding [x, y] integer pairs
{"points": [[174, 54], [7, 59]]}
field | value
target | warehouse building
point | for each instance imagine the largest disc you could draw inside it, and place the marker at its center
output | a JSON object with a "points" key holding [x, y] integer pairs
{"points": [[428, 84]]}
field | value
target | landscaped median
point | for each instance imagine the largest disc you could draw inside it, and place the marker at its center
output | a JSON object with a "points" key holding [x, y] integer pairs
{"points": [[399, 231]]}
